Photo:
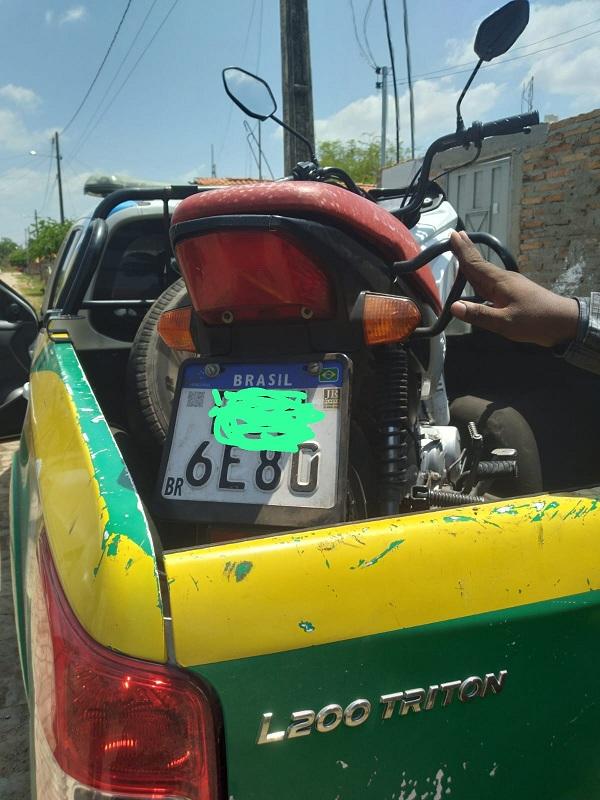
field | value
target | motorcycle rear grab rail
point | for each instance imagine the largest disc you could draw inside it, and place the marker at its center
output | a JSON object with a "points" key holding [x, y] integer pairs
{"points": [[435, 250]]}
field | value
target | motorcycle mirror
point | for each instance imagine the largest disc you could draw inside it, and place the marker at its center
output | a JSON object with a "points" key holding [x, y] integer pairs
{"points": [[255, 98], [498, 32], [249, 92]]}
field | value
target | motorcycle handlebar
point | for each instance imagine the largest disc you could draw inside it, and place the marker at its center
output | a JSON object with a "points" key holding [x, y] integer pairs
{"points": [[503, 127], [473, 135]]}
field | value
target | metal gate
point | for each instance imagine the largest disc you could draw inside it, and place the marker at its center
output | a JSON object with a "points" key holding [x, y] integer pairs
{"points": [[480, 194]]}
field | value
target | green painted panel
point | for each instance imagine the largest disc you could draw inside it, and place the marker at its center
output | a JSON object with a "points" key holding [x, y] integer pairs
{"points": [[538, 738], [19, 498], [114, 481]]}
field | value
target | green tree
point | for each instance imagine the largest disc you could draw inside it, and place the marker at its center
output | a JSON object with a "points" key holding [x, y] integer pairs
{"points": [[7, 246], [47, 239], [18, 257], [360, 158]]}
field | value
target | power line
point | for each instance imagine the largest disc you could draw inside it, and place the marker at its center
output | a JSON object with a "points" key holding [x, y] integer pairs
{"points": [[132, 70], [437, 74], [48, 194], [95, 114], [362, 50], [393, 63], [50, 160], [410, 85], [230, 112], [365, 20], [99, 70], [250, 21], [260, 32]]}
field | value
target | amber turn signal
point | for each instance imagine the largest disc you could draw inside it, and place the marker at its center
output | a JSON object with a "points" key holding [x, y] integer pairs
{"points": [[387, 318], [174, 329]]}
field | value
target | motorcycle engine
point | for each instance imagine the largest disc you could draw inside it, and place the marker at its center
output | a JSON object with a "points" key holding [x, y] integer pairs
{"points": [[440, 464]]}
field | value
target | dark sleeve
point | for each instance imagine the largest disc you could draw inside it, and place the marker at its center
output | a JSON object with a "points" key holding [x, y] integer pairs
{"points": [[584, 351]]}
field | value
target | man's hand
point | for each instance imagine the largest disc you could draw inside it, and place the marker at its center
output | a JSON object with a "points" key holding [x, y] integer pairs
{"points": [[516, 307]]}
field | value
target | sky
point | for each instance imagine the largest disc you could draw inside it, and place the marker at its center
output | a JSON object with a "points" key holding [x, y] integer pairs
{"points": [[158, 103]]}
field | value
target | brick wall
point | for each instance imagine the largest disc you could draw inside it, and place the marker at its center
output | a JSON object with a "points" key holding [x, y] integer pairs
{"points": [[560, 207]]}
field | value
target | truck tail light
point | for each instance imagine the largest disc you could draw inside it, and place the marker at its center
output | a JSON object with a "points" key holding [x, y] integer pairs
{"points": [[251, 276], [107, 725]]}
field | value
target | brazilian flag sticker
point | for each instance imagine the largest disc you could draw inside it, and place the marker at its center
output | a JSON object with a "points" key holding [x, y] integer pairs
{"points": [[329, 375]]}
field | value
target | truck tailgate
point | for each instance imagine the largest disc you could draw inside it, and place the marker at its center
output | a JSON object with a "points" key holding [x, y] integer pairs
{"points": [[448, 653]]}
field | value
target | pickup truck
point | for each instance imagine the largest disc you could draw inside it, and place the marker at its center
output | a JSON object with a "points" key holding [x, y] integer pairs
{"points": [[438, 654]]}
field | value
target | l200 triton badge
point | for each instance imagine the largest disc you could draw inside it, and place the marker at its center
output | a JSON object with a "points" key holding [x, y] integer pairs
{"points": [[302, 723]]}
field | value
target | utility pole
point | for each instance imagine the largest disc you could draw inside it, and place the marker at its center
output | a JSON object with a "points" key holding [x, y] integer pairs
{"points": [[59, 177], [259, 151], [382, 84], [410, 85], [213, 166], [296, 80], [35, 217]]}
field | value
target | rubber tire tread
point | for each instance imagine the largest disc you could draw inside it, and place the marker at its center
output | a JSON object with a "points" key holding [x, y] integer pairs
{"points": [[147, 420]]}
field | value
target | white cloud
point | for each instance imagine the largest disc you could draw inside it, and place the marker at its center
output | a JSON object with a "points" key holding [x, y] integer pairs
{"points": [[22, 190], [435, 103], [19, 95], [14, 134], [74, 14], [190, 174], [565, 70]]}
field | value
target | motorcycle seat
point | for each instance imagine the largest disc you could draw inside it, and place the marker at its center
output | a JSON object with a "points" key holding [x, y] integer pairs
{"points": [[322, 202]]}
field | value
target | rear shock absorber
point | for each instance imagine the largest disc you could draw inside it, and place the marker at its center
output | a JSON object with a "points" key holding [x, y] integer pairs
{"points": [[391, 411]]}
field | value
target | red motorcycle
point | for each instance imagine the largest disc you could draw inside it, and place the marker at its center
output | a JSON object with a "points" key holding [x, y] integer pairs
{"points": [[308, 292]]}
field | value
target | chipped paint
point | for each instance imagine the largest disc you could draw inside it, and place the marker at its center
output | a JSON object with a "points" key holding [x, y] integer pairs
{"points": [[429, 788], [478, 569], [372, 561], [239, 569], [242, 570], [306, 626], [544, 510], [460, 518], [96, 527]]}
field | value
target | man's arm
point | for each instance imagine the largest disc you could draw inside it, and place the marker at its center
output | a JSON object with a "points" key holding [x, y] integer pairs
{"points": [[519, 309]]}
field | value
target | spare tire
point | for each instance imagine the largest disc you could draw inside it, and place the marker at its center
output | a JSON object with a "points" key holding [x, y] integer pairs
{"points": [[152, 374]]}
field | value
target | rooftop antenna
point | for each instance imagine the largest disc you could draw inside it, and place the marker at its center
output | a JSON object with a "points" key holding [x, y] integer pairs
{"points": [[527, 96], [250, 135]]}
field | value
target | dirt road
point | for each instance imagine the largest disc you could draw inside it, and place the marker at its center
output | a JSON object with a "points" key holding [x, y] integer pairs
{"points": [[30, 286], [14, 732]]}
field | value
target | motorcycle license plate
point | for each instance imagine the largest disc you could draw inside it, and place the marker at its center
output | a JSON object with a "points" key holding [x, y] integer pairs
{"points": [[263, 443]]}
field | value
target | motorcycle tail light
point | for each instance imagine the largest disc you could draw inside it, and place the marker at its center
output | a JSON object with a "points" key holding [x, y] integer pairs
{"points": [[109, 724], [387, 318], [253, 276], [174, 329]]}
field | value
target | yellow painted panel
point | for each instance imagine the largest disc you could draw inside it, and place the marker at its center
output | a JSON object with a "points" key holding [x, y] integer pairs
{"points": [[298, 589], [113, 589]]}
